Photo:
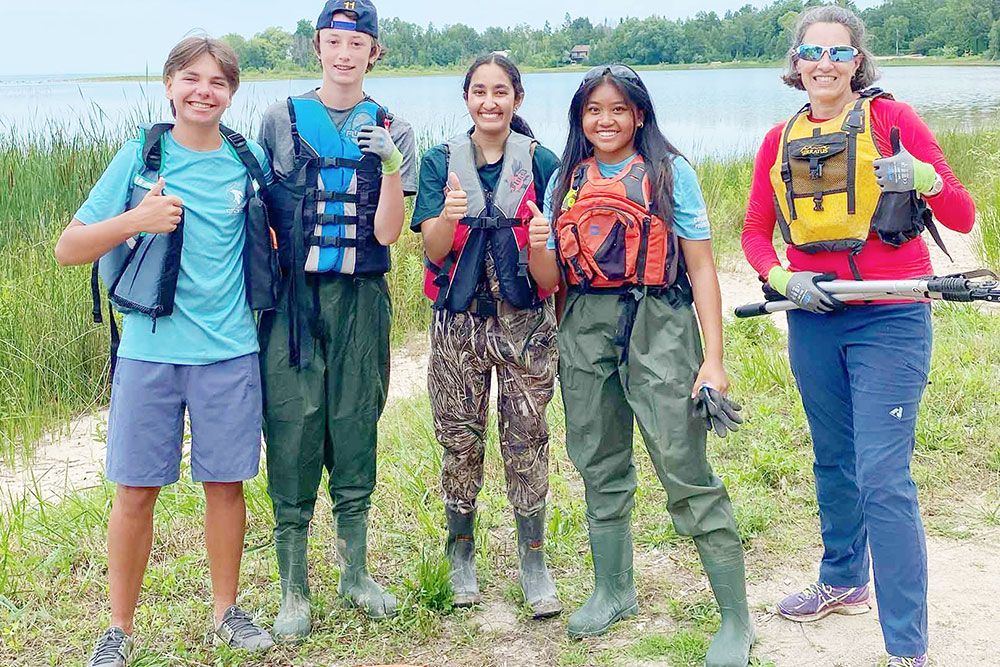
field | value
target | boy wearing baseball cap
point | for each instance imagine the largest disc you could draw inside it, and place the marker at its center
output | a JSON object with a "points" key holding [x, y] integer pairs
{"points": [[342, 166]]}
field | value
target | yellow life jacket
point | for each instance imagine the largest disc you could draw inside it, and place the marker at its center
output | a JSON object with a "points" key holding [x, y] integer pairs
{"points": [[826, 195]]}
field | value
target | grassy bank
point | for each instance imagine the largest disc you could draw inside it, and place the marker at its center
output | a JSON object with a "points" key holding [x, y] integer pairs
{"points": [[53, 357], [53, 565]]}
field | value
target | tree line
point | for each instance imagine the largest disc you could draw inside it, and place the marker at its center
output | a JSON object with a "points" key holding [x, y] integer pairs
{"points": [[928, 27]]}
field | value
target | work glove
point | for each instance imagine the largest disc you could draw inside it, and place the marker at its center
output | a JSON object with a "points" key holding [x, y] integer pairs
{"points": [[377, 141], [902, 172], [719, 412], [800, 288]]}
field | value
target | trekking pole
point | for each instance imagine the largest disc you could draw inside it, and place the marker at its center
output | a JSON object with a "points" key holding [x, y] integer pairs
{"points": [[979, 285]]}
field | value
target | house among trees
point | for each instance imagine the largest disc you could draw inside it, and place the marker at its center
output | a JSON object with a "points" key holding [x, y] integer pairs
{"points": [[579, 53]]}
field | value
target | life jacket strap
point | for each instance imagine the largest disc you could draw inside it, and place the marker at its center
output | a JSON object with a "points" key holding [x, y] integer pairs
{"points": [[332, 242], [443, 278], [335, 219], [345, 163], [490, 222], [317, 195]]}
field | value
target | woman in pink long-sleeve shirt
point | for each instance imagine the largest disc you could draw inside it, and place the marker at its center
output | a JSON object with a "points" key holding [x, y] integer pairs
{"points": [[861, 370]]}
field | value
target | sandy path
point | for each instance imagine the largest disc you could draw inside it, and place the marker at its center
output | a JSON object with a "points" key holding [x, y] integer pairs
{"points": [[962, 575]]}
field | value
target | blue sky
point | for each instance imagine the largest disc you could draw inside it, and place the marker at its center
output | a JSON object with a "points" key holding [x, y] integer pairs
{"points": [[119, 36]]}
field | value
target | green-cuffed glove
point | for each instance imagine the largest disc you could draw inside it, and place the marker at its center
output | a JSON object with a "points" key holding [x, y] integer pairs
{"points": [[377, 140], [800, 288], [902, 172]]}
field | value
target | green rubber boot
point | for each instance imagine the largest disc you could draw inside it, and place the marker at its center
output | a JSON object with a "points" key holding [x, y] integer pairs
{"points": [[722, 558], [614, 596], [293, 622], [536, 582], [356, 586], [461, 552]]}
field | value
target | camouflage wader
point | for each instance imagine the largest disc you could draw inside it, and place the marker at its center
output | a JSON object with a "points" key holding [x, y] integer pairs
{"points": [[465, 348]]}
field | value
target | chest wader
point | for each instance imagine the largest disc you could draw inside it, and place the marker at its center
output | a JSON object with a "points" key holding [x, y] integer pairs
{"points": [[325, 353], [827, 198], [489, 313], [605, 390]]}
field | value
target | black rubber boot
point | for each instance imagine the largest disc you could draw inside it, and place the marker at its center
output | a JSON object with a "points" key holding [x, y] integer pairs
{"points": [[614, 596], [461, 551], [356, 585], [293, 622], [536, 582], [722, 557]]}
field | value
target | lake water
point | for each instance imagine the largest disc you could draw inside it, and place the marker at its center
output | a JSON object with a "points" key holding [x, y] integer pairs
{"points": [[704, 112]]}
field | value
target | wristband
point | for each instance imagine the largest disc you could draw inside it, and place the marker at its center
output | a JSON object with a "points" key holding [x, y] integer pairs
{"points": [[778, 278], [924, 176], [393, 164]]}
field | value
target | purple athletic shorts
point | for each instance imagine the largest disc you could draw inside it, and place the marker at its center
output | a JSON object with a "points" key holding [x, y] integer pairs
{"points": [[146, 421]]}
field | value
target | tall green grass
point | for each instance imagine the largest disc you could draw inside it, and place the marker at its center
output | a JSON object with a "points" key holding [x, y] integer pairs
{"points": [[53, 358], [975, 158]]}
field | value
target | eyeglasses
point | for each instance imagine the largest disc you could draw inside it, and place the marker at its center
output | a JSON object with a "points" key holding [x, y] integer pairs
{"points": [[617, 71], [814, 53]]}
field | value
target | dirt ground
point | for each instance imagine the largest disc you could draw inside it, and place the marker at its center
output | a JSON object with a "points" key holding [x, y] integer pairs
{"points": [[963, 574]]}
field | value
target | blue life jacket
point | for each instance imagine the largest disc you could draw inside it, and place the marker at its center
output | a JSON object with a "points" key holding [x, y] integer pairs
{"points": [[325, 207], [323, 210]]}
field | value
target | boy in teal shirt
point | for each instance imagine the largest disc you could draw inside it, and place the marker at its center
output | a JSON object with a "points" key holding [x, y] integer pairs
{"points": [[201, 358]]}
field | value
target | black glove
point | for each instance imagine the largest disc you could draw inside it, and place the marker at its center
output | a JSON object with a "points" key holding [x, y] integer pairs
{"points": [[719, 412]]}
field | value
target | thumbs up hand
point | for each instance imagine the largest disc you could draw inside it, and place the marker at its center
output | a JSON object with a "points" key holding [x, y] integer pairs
{"points": [[456, 201], [901, 172], [157, 213], [538, 228]]}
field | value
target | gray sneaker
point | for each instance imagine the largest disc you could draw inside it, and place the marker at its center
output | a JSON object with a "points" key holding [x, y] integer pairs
{"points": [[238, 630], [112, 649]]}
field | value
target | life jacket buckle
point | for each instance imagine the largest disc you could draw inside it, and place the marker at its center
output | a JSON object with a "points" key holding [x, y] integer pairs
{"points": [[483, 306], [818, 201], [815, 169]]}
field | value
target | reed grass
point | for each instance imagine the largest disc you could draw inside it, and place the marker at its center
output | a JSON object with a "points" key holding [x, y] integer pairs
{"points": [[53, 358]]}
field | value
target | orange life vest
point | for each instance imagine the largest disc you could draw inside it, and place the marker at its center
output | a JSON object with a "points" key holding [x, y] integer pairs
{"points": [[608, 235]]}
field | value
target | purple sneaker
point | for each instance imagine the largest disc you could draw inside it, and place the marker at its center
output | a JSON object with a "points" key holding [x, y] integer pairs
{"points": [[819, 600], [898, 661]]}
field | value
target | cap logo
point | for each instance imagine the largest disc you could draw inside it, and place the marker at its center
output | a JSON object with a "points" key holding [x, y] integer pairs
{"points": [[349, 4]]}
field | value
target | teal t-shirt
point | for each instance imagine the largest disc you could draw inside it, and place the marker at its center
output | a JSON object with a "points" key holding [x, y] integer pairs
{"points": [[690, 213], [211, 320]]}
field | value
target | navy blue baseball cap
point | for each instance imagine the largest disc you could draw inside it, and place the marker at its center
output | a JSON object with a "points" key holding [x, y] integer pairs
{"points": [[365, 18]]}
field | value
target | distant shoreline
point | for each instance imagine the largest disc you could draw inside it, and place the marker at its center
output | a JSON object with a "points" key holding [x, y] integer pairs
{"points": [[261, 75]]}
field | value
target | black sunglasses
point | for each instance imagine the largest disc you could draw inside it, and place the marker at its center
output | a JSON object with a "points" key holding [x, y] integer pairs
{"points": [[617, 71]]}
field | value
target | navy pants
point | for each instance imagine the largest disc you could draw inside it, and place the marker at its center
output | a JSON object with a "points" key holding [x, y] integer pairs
{"points": [[861, 373]]}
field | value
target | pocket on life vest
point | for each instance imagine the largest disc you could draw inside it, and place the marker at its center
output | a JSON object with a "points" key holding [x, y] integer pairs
{"points": [[819, 164], [610, 239], [655, 256]]}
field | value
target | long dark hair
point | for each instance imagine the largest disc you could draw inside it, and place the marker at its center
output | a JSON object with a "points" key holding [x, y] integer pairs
{"points": [[649, 142], [517, 123]]}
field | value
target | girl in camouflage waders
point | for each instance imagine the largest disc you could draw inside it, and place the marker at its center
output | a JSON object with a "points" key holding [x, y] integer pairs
{"points": [[629, 347], [475, 196]]}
